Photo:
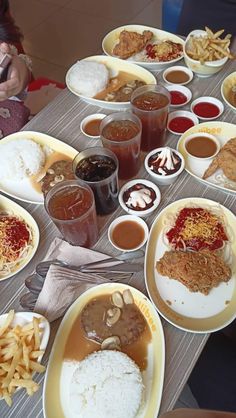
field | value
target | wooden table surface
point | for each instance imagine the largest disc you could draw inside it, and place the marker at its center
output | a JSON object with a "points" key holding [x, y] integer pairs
{"points": [[61, 119]]}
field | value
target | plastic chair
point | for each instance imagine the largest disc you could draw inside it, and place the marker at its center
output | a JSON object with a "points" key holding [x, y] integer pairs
{"points": [[171, 10]]}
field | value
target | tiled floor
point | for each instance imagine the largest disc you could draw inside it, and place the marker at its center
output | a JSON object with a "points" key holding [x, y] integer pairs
{"points": [[58, 32]]}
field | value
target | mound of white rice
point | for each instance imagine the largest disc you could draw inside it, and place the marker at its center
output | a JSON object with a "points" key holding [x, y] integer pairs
{"points": [[106, 384], [20, 158], [88, 77]]}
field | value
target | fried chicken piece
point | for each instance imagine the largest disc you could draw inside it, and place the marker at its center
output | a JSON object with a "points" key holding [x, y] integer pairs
{"points": [[226, 160], [131, 42], [198, 271]]}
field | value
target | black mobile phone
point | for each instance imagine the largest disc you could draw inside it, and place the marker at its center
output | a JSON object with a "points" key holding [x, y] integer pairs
{"points": [[4, 64]]}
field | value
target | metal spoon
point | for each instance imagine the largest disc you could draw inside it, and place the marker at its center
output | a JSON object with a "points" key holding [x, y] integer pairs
{"points": [[43, 267]]}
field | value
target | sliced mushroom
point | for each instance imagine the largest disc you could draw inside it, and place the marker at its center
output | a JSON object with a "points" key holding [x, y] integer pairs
{"points": [[127, 90], [112, 319], [50, 171], [128, 297], [52, 183], [111, 343], [59, 178], [117, 299]]}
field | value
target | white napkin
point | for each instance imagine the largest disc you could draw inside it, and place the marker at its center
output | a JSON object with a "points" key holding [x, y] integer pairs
{"points": [[62, 286]]}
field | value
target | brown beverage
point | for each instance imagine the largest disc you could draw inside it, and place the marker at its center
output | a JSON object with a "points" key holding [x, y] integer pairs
{"points": [[121, 133], [150, 103], [70, 205], [100, 172]]}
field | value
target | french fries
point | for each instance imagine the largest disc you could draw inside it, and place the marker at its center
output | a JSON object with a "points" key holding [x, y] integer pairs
{"points": [[19, 351], [209, 47]]}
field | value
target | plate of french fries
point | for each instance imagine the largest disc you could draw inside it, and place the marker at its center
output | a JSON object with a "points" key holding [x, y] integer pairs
{"points": [[23, 340], [204, 48]]}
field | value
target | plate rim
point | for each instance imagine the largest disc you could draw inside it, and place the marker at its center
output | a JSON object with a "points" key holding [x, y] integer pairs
{"points": [[148, 65], [33, 225], [44, 137], [189, 132], [222, 92], [93, 291], [175, 324]]}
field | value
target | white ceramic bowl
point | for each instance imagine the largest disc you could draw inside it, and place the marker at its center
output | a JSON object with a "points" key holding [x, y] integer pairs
{"points": [[178, 68], [159, 179], [84, 122], [209, 67], [211, 100], [182, 89], [204, 135], [228, 83], [142, 213], [184, 114], [132, 218]]}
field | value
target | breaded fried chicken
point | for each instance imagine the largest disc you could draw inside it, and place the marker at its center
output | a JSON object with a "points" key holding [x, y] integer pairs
{"points": [[198, 271], [131, 42], [226, 160]]}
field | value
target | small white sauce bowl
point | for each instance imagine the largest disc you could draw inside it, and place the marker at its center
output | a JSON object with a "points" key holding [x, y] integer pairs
{"points": [[145, 212], [132, 218], [204, 135], [84, 122], [159, 179], [182, 89], [181, 113], [178, 68], [208, 99]]}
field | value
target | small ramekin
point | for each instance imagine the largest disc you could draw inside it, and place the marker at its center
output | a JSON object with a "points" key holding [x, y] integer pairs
{"points": [[99, 116], [141, 213], [181, 113], [133, 218], [206, 135], [157, 178], [182, 89], [178, 68], [208, 99]]}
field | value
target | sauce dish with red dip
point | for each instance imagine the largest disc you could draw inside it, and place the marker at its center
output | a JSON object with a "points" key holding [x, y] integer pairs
{"points": [[180, 121], [179, 95], [207, 108]]}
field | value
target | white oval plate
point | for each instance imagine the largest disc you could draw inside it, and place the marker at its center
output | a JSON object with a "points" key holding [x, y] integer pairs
{"points": [[55, 395], [112, 38], [186, 310], [114, 65], [23, 318], [221, 130], [23, 189], [8, 205]]}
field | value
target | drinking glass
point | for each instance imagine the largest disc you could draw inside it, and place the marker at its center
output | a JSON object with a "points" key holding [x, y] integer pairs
{"points": [[71, 206], [121, 133], [151, 104]]}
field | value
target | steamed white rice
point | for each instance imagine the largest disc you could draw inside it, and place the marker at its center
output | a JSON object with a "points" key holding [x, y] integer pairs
{"points": [[20, 158], [88, 78], [106, 384]]}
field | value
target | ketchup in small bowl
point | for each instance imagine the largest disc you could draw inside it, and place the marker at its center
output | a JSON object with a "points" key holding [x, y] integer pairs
{"points": [[180, 121], [207, 108]]}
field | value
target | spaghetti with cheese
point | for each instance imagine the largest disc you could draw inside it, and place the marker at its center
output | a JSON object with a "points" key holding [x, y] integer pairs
{"points": [[15, 242]]}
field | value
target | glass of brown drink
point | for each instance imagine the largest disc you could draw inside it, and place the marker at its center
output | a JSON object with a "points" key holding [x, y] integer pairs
{"points": [[98, 167], [151, 104], [71, 206], [121, 133]]}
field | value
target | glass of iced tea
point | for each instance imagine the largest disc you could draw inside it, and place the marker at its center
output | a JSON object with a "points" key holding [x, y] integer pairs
{"points": [[98, 167], [71, 206], [151, 104], [121, 133]]}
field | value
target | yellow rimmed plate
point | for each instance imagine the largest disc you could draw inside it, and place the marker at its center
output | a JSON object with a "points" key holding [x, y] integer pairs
{"points": [[7, 205], [112, 38], [186, 310], [23, 189], [153, 376], [114, 65], [223, 131], [228, 83]]}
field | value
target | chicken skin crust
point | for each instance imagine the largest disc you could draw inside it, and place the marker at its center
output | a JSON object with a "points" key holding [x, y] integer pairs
{"points": [[131, 42]]}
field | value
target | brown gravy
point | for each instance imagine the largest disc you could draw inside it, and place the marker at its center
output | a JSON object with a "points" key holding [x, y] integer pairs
{"points": [[116, 83], [78, 346], [177, 76], [92, 127], [201, 147], [51, 159], [128, 235]]}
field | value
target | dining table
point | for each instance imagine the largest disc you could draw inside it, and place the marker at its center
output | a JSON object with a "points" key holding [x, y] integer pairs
{"points": [[61, 119]]}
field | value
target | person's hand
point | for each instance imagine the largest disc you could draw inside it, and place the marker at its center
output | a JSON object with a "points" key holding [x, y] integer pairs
{"points": [[18, 75]]}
